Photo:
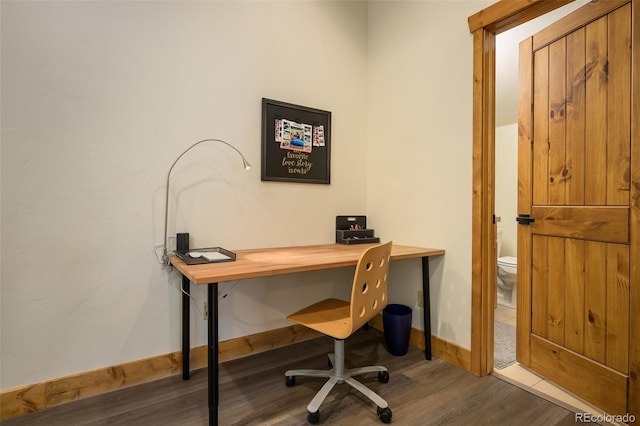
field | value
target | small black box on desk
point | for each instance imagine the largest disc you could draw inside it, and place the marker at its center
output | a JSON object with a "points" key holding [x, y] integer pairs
{"points": [[353, 230]]}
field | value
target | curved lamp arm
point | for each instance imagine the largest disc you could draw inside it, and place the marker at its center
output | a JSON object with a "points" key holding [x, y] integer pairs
{"points": [[246, 164]]}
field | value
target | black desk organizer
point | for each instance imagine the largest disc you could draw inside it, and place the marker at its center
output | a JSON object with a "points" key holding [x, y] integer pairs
{"points": [[353, 230], [231, 256], [182, 251]]}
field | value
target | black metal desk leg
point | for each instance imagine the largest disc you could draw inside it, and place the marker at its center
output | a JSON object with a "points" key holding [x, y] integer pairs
{"points": [[186, 327], [426, 303], [212, 352]]}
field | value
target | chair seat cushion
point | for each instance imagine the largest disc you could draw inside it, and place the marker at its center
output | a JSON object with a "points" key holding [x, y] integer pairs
{"points": [[330, 317]]}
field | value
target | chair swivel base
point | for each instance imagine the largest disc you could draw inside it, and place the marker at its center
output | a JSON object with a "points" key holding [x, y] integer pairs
{"points": [[338, 375]]}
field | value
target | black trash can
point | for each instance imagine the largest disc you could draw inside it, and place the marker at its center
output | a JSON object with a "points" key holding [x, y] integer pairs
{"points": [[396, 322]]}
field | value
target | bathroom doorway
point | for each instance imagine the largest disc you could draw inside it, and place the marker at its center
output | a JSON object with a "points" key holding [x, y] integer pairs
{"points": [[484, 25], [557, 266], [506, 177], [506, 198]]}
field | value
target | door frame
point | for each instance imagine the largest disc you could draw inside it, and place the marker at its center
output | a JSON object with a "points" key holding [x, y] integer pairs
{"points": [[485, 25]]}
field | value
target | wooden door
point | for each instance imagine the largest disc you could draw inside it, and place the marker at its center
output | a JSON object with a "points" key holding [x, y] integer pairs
{"points": [[575, 168]]}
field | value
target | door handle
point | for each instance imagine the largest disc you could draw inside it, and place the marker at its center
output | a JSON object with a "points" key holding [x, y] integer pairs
{"points": [[525, 219]]}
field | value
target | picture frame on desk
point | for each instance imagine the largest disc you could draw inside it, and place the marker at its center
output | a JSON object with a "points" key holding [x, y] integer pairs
{"points": [[296, 143]]}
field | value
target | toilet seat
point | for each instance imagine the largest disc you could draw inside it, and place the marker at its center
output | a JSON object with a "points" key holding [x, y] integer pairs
{"points": [[508, 260]]}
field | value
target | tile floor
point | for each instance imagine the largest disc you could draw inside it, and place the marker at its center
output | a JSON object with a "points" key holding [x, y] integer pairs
{"points": [[526, 379]]}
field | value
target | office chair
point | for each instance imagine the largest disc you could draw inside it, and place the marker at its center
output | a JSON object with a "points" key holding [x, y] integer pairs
{"points": [[340, 319]]}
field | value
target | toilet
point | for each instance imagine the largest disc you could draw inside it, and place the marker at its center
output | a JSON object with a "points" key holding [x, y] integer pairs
{"points": [[507, 277], [507, 274]]}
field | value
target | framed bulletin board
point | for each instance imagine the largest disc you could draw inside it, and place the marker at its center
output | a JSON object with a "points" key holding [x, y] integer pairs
{"points": [[296, 143]]}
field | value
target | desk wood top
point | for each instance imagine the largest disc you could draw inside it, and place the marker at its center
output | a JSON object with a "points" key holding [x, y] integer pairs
{"points": [[254, 263]]}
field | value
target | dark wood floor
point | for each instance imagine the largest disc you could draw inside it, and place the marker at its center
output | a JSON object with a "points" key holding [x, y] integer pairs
{"points": [[253, 392]]}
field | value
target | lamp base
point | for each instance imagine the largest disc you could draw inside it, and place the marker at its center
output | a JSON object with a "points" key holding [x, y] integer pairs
{"points": [[182, 242]]}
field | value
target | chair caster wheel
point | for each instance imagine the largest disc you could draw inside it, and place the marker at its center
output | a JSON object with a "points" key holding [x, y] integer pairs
{"points": [[383, 376], [314, 417], [290, 381], [384, 414]]}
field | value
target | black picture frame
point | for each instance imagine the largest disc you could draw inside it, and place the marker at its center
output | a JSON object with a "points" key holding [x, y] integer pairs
{"points": [[289, 152]]}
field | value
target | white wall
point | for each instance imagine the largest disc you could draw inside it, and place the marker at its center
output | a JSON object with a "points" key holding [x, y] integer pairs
{"points": [[420, 143], [507, 186], [98, 99]]}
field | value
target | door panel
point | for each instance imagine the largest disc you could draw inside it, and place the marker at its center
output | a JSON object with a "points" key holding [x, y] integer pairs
{"points": [[575, 290], [608, 135], [617, 307], [575, 130], [609, 224], [595, 298], [596, 121], [551, 360], [556, 146], [560, 280], [578, 19], [574, 259], [618, 107], [541, 126]]}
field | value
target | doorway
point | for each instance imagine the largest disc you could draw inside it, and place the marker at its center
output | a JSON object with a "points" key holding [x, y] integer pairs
{"points": [[506, 178], [485, 25]]}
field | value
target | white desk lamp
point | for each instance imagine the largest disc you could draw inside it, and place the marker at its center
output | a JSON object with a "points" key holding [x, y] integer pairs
{"points": [[247, 166]]}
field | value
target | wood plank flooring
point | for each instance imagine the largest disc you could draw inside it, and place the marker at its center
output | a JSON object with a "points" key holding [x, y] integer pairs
{"points": [[253, 392]]}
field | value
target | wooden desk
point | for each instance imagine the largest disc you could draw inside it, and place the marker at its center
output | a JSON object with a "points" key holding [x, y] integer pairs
{"points": [[267, 262]]}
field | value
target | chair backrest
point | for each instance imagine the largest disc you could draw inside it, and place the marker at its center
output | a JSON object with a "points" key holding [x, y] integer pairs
{"points": [[369, 290]]}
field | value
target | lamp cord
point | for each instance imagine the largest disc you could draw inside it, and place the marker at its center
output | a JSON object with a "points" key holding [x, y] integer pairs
{"points": [[226, 293]]}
